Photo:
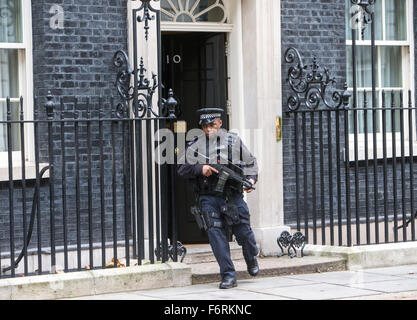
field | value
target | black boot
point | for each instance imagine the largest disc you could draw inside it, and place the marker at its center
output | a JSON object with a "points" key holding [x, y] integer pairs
{"points": [[228, 283], [253, 267]]}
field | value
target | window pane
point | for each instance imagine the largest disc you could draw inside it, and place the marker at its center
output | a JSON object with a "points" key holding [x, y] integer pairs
{"points": [[14, 107], [348, 19], [352, 15], [377, 8], [395, 20], [10, 21], [9, 82], [389, 114], [352, 20], [214, 15], [190, 10], [391, 62], [369, 115], [166, 8], [363, 66], [361, 114], [184, 18]]}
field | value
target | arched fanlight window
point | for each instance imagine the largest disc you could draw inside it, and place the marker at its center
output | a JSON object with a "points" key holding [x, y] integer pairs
{"points": [[193, 11]]}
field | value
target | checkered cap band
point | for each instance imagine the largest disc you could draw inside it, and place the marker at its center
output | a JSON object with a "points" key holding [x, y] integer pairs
{"points": [[210, 116]]}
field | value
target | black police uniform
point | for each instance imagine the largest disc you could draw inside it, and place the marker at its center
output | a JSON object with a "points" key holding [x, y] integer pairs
{"points": [[226, 211]]}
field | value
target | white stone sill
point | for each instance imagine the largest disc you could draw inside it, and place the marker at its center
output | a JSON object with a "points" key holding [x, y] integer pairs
{"points": [[30, 171], [379, 153]]}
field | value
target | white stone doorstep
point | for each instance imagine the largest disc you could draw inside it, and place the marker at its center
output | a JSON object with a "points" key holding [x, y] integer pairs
{"points": [[369, 256], [95, 282]]}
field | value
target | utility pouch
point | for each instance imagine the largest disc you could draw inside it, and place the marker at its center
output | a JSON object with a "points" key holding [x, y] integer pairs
{"points": [[231, 214], [212, 220], [206, 220], [223, 177], [199, 218]]}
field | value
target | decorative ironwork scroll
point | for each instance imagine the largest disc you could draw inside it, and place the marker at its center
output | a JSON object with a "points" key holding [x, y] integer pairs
{"points": [[284, 243], [146, 88], [298, 243], [365, 14], [123, 81], [134, 85], [181, 251], [147, 16], [310, 84], [290, 244]]}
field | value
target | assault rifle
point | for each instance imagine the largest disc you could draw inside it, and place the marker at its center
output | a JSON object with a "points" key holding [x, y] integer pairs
{"points": [[225, 173]]}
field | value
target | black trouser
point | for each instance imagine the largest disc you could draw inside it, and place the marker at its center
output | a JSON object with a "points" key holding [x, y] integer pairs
{"points": [[218, 236]]}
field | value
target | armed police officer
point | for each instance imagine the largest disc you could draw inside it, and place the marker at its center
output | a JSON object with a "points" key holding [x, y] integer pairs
{"points": [[222, 168]]}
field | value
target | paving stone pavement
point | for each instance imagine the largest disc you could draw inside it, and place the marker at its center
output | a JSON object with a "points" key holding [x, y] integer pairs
{"points": [[397, 283]]}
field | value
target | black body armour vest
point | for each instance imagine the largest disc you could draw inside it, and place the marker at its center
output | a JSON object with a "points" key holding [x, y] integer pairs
{"points": [[207, 185]]}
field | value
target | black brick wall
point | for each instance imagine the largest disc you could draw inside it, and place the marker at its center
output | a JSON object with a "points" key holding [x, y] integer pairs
{"points": [[314, 28], [74, 62]]}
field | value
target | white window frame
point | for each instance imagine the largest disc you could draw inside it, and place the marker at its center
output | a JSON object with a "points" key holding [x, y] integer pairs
{"points": [[25, 58], [408, 84]]}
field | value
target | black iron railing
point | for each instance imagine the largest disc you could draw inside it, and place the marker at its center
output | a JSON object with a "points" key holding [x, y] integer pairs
{"points": [[354, 184], [83, 206], [91, 191]]}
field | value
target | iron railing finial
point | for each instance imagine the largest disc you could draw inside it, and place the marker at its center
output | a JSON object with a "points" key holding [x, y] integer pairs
{"points": [[49, 105], [172, 104]]}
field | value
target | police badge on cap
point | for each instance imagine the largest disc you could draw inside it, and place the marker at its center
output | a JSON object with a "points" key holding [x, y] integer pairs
{"points": [[208, 115]]}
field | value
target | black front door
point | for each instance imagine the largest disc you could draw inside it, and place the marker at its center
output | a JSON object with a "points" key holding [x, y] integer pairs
{"points": [[195, 67]]}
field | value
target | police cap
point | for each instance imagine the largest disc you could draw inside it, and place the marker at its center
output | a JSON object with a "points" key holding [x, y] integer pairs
{"points": [[208, 115]]}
